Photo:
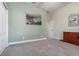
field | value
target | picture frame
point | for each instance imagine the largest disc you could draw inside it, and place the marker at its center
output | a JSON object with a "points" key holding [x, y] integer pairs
{"points": [[33, 19], [73, 20]]}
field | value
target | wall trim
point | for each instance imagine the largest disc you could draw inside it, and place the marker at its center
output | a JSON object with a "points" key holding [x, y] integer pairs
{"points": [[12, 43], [57, 38]]}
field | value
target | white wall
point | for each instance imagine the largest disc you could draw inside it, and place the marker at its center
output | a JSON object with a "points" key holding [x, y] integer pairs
{"points": [[3, 27], [49, 25], [60, 20]]}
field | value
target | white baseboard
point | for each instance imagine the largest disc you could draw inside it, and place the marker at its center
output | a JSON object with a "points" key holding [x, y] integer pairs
{"points": [[12, 43], [57, 38]]}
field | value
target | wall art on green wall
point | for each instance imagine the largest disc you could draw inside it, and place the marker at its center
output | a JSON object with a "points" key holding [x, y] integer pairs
{"points": [[33, 19]]}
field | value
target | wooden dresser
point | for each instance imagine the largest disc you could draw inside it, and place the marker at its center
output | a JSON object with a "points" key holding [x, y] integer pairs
{"points": [[71, 37]]}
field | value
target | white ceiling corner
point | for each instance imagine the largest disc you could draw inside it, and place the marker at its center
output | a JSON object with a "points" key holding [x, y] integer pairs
{"points": [[50, 6]]}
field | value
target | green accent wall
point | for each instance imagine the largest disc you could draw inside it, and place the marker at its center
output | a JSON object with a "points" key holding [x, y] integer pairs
{"points": [[18, 29]]}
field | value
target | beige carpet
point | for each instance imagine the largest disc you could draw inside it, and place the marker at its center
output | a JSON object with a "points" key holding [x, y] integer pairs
{"points": [[49, 47]]}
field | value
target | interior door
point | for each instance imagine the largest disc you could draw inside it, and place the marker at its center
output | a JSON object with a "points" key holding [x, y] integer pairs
{"points": [[3, 27]]}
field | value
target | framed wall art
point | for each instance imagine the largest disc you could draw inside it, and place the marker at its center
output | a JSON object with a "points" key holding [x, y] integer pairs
{"points": [[33, 19], [73, 20]]}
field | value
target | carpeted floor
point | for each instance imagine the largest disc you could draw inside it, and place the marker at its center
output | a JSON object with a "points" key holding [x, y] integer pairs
{"points": [[49, 47]]}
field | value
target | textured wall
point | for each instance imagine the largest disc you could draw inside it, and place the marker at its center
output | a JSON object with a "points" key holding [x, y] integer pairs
{"points": [[18, 29], [60, 20]]}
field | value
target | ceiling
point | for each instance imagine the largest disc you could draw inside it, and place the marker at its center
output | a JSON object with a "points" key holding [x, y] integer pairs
{"points": [[50, 6]]}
